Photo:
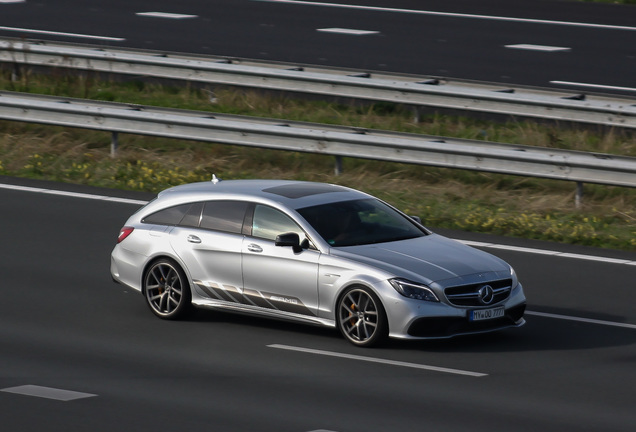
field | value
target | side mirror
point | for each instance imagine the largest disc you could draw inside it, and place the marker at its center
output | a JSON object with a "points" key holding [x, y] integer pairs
{"points": [[416, 219], [289, 239]]}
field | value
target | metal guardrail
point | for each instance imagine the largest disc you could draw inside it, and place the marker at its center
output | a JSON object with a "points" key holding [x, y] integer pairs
{"points": [[612, 111], [580, 167]]}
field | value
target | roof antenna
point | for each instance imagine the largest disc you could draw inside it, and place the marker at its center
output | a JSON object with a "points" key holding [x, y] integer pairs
{"points": [[215, 179]]}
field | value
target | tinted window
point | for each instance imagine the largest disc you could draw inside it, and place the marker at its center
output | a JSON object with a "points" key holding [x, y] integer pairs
{"points": [[224, 216], [169, 216], [269, 222], [192, 218], [359, 222]]}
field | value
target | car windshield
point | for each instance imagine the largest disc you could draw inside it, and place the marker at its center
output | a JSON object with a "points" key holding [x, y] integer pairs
{"points": [[359, 222]]}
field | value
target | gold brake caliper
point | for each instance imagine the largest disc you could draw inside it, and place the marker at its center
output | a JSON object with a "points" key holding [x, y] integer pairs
{"points": [[353, 320]]}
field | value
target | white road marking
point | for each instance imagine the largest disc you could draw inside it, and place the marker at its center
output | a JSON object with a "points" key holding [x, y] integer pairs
{"points": [[165, 15], [48, 393], [598, 86], [579, 319], [451, 14], [72, 194], [54, 33], [12, 1], [549, 252], [531, 47], [377, 360], [348, 31]]}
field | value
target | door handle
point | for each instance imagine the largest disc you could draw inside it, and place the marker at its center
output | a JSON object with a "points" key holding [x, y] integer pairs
{"points": [[254, 248], [194, 239]]}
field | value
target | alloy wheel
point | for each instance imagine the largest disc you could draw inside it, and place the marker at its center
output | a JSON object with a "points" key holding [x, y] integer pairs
{"points": [[361, 318], [167, 291]]}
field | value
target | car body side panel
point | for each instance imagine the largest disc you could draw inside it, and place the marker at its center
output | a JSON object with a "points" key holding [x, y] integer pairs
{"points": [[286, 279], [337, 274], [212, 258], [130, 257]]}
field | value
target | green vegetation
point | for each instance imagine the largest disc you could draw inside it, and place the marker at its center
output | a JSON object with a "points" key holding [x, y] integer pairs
{"points": [[472, 201]]}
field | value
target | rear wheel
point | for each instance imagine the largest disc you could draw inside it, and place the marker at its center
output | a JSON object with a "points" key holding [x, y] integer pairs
{"points": [[361, 317], [167, 290]]}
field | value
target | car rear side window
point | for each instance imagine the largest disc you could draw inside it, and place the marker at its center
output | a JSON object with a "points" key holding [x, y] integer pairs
{"points": [[224, 216], [168, 216], [192, 218]]}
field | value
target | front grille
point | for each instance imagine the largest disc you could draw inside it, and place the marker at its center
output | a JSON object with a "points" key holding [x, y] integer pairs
{"points": [[468, 295], [443, 327]]}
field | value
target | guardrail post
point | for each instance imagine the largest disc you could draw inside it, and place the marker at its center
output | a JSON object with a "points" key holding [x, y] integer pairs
{"points": [[114, 144], [579, 195], [338, 169], [416, 114], [15, 73]]}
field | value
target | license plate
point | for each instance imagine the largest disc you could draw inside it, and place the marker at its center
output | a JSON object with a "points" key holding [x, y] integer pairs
{"points": [[486, 314]]}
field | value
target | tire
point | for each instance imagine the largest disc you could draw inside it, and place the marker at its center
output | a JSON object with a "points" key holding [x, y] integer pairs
{"points": [[167, 290], [361, 317]]}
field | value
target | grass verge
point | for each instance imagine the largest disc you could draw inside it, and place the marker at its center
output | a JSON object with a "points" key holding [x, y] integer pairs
{"points": [[470, 201]]}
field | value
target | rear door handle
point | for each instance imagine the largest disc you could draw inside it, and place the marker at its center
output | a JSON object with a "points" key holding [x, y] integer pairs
{"points": [[254, 248], [194, 239]]}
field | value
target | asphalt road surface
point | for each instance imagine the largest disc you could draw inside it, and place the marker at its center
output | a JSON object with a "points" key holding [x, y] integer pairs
{"points": [[80, 353], [575, 46]]}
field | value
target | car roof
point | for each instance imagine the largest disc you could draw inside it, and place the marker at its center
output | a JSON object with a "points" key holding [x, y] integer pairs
{"points": [[290, 193]]}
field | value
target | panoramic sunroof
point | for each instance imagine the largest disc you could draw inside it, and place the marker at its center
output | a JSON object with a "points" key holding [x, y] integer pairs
{"points": [[300, 190]]}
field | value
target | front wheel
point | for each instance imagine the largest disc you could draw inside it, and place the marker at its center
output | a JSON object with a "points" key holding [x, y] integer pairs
{"points": [[167, 290], [361, 317]]}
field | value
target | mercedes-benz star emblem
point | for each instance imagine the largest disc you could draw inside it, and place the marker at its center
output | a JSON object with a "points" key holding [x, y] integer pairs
{"points": [[486, 294]]}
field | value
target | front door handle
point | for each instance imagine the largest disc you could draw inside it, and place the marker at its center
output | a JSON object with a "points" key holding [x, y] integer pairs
{"points": [[254, 248], [194, 239]]}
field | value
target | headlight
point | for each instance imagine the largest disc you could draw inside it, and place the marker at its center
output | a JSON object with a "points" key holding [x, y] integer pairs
{"points": [[413, 290], [513, 275]]}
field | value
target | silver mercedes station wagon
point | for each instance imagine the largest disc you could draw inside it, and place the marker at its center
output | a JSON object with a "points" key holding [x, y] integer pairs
{"points": [[314, 253]]}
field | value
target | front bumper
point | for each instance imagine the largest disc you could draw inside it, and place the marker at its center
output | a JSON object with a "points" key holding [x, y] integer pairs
{"points": [[426, 320], [445, 327]]}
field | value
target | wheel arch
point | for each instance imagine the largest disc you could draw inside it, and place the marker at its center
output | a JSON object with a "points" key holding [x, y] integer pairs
{"points": [[356, 284], [157, 258], [381, 331]]}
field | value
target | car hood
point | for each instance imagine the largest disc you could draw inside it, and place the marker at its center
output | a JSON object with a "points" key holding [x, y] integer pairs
{"points": [[428, 259]]}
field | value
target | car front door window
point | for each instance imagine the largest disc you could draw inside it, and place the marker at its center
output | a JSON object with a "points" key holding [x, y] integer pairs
{"points": [[269, 223]]}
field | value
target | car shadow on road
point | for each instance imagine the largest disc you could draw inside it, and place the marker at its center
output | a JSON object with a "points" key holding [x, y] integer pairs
{"points": [[540, 333]]}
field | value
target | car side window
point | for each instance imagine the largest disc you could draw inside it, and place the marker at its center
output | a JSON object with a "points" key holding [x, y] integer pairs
{"points": [[168, 216], [224, 216], [192, 218], [269, 223]]}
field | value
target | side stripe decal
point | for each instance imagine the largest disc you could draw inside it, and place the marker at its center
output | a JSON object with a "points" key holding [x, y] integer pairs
{"points": [[264, 300]]}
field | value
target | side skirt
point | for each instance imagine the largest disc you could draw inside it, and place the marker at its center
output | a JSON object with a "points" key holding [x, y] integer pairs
{"points": [[268, 313]]}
